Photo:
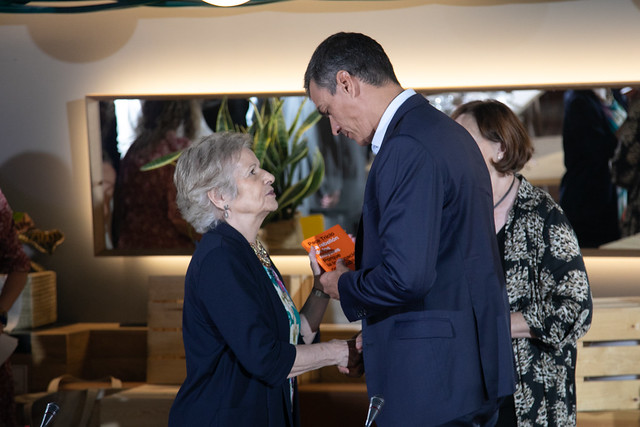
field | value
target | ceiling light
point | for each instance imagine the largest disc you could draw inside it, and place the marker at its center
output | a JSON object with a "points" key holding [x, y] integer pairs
{"points": [[226, 3]]}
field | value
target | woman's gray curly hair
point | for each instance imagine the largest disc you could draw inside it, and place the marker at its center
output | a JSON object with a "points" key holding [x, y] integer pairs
{"points": [[208, 165]]}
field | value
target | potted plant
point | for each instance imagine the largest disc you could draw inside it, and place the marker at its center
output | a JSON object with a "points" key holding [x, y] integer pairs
{"points": [[281, 150], [38, 304], [34, 239]]}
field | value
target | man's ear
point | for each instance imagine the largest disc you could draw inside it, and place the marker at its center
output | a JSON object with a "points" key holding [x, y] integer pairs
{"points": [[217, 199], [347, 84]]}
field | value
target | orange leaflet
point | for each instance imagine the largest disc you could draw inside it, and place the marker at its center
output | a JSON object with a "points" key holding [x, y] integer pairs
{"points": [[331, 245]]}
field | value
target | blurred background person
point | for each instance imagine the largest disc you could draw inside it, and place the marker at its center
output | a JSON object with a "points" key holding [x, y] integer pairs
{"points": [[587, 193], [341, 193], [15, 264], [546, 279], [145, 214], [625, 165], [244, 339]]}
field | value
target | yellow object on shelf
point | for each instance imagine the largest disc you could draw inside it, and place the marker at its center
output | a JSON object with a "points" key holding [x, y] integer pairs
{"points": [[312, 225]]}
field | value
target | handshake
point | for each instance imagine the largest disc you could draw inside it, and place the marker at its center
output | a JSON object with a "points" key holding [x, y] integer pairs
{"points": [[355, 364]]}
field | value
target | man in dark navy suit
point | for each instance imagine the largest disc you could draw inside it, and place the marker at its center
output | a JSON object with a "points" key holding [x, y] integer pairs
{"points": [[428, 286]]}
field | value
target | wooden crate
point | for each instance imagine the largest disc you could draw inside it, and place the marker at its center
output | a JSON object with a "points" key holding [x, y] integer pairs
{"points": [[609, 419], [84, 350], [608, 364], [119, 351], [52, 352], [165, 350], [38, 301]]}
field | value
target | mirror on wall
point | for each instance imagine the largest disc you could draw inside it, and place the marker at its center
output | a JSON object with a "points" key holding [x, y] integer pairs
{"points": [[135, 211], [127, 202]]}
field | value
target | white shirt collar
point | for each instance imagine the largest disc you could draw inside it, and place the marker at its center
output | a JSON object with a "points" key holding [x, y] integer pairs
{"points": [[376, 142]]}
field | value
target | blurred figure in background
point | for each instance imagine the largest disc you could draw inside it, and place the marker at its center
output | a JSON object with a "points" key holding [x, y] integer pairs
{"points": [[341, 194], [587, 193], [625, 165], [145, 213]]}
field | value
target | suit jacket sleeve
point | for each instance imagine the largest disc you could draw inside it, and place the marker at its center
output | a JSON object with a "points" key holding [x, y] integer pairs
{"points": [[409, 221]]}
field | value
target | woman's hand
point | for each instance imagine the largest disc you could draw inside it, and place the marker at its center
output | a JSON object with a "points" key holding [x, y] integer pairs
{"points": [[519, 326], [315, 356], [343, 351], [313, 262]]}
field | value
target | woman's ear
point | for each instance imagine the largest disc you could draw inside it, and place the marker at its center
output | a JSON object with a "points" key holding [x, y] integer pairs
{"points": [[217, 199]]}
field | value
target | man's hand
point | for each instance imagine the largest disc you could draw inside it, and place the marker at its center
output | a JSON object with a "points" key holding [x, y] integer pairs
{"points": [[355, 365], [329, 280]]}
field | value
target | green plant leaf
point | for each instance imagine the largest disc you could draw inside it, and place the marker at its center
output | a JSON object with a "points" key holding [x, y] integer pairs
{"points": [[311, 120], [260, 145], [167, 159], [280, 133], [298, 153], [295, 194], [279, 149], [224, 122]]}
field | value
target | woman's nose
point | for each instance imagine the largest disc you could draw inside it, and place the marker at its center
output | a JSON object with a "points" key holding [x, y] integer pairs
{"points": [[268, 177]]}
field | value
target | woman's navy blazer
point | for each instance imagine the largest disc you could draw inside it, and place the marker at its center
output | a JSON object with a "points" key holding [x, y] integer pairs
{"points": [[236, 339]]}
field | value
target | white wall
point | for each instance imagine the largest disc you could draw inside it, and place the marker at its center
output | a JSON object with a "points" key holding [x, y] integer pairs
{"points": [[48, 63]]}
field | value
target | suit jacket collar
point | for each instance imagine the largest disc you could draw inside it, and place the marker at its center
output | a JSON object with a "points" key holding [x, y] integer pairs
{"points": [[409, 104], [387, 116]]}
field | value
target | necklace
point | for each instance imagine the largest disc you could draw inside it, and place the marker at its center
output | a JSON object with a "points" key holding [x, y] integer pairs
{"points": [[505, 194], [261, 253]]}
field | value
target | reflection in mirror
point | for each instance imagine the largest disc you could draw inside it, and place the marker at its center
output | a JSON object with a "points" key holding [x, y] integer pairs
{"points": [[135, 211], [114, 126], [578, 158]]}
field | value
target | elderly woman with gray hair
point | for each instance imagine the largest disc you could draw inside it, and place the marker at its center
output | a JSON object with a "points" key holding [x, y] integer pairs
{"points": [[245, 341]]}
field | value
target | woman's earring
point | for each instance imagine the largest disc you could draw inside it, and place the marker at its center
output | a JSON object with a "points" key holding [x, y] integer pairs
{"points": [[500, 156], [226, 211]]}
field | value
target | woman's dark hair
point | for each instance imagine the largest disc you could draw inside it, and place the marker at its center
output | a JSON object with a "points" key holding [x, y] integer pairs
{"points": [[158, 117], [498, 123], [356, 53]]}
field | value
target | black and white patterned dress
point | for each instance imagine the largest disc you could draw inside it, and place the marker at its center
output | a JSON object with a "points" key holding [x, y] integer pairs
{"points": [[547, 282]]}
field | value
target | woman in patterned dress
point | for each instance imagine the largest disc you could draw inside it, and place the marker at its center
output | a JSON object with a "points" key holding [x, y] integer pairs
{"points": [[244, 339], [546, 279]]}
